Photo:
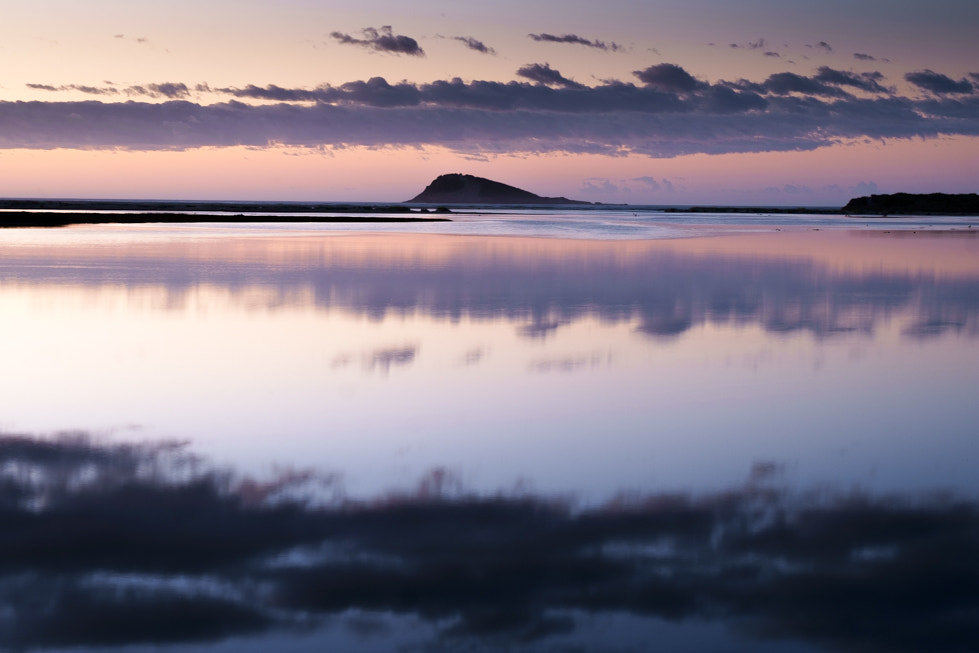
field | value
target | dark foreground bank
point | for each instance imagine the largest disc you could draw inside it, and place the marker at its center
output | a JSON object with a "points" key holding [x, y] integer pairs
{"points": [[64, 219], [109, 545], [191, 206], [60, 213]]}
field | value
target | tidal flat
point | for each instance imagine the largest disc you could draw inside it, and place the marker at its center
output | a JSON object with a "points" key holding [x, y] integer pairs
{"points": [[544, 431]]}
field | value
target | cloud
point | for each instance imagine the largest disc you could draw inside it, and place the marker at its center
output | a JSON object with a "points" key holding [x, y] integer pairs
{"points": [[723, 100], [826, 82], [577, 40], [651, 184], [821, 45], [279, 94], [793, 189], [605, 186], [753, 45], [869, 81], [787, 83], [668, 77], [382, 40], [863, 57], [863, 188], [474, 44], [376, 92], [760, 44], [379, 93], [939, 84], [544, 74], [125, 544], [94, 90], [89, 90], [599, 185], [482, 95], [671, 113], [172, 90]]}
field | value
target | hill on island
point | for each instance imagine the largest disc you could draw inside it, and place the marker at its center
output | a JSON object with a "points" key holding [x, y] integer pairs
{"points": [[467, 189], [915, 204]]}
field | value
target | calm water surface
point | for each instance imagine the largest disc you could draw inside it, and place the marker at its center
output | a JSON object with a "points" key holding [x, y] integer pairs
{"points": [[726, 442]]}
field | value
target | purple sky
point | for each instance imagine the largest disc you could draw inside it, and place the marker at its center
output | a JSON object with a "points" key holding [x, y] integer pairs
{"points": [[641, 102]]}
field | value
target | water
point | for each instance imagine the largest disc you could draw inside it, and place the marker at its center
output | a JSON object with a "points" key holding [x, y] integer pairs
{"points": [[591, 222], [684, 397]]}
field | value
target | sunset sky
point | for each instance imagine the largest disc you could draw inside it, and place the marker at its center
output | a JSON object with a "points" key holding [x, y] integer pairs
{"points": [[769, 102]]}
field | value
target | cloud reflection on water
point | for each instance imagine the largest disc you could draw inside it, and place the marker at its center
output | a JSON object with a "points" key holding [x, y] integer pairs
{"points": [[647, 364], [666, 288], [107, 544]]}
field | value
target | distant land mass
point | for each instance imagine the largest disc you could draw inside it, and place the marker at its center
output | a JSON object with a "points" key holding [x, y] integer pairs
{"points": [[915, 204], [468, 189], [61, 213], [450, 189]]}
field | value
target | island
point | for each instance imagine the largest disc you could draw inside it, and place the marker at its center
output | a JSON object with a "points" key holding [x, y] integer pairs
{"points": [[458, 188], [914, 204]]}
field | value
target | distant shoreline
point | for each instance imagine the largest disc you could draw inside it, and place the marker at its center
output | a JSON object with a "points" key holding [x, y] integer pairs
{"points": [[65, 212], [61, 213], [187, 206], [20, 219]]}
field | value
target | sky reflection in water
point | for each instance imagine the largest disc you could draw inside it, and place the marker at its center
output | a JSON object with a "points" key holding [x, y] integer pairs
{"points": [[725, 415]]}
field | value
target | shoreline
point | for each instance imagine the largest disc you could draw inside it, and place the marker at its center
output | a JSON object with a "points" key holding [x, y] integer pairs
{"points": [[34, 219], [194, 206]]}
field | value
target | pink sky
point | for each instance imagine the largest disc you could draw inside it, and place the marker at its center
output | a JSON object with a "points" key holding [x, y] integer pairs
{"points": [[764, 102]]}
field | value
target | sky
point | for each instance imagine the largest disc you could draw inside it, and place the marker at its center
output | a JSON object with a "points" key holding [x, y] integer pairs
{"points": [[759, 102]]}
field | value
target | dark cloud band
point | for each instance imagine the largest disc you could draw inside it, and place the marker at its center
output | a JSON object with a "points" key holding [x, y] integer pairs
{"points": [[544, 74], [939, 84], [671, 113]]}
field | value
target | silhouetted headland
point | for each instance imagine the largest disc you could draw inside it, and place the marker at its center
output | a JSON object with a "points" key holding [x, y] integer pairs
{"points": [[467, 189], [915, 204]]}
